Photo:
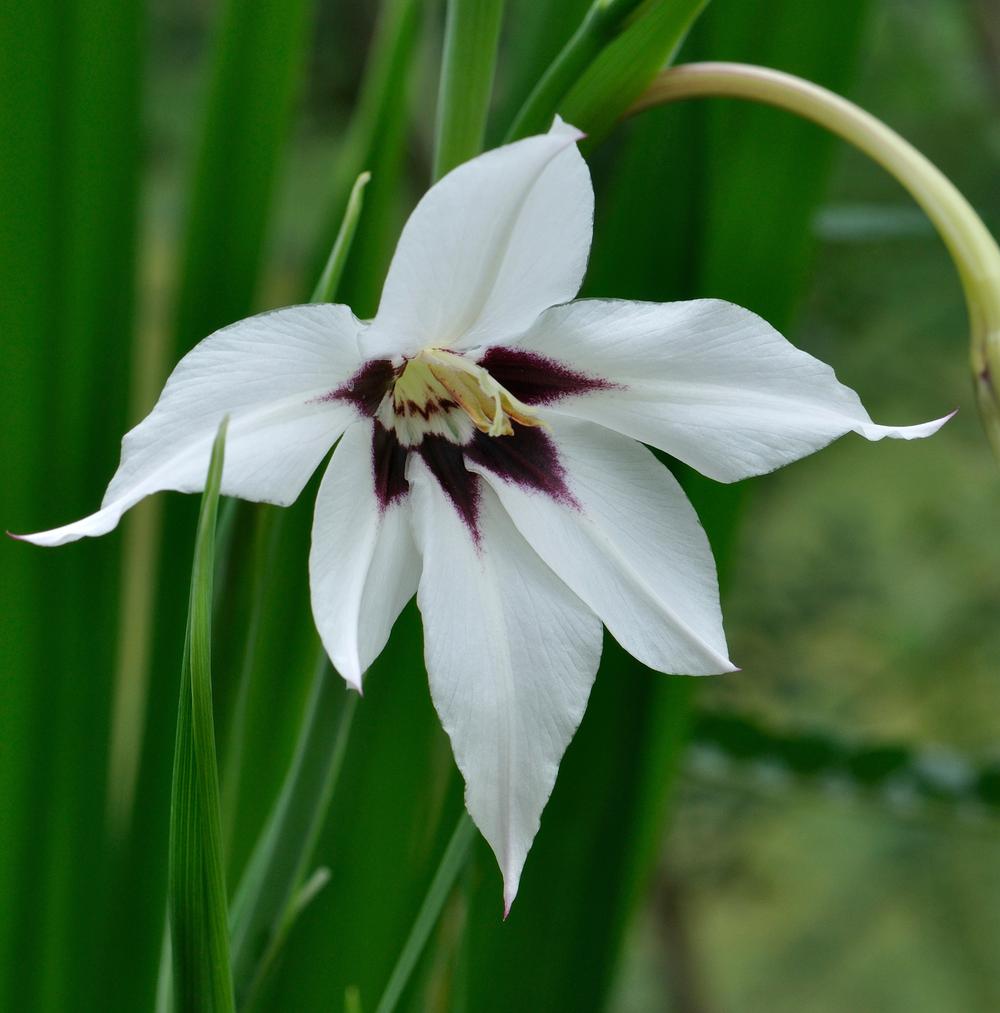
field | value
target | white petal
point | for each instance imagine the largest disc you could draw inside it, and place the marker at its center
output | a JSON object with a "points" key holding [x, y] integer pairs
{"points": [[488, 247], [630, 546], [706, 381], [269, 373], [511, 654], [363, 564]]}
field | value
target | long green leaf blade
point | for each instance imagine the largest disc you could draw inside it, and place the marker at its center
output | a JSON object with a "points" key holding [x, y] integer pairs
{"points": [[197, 881], [259, 58], [276, 867], [625, 67], [470, 51]]}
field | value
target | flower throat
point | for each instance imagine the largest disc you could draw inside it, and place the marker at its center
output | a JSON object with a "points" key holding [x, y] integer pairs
{"points": [[442, 393]]}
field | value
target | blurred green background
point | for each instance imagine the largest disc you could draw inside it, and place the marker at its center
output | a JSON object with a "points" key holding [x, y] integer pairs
{"points": [[171, 166]]}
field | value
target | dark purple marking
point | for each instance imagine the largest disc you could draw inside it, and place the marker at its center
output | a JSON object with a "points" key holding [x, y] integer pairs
{"points": [[388, 467], [446, 461], [528, 458], [536, 379], [367, 387], [410, 408]]}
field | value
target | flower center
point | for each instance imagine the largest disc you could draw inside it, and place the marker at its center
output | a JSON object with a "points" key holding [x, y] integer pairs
{"points": [[442, 393]]}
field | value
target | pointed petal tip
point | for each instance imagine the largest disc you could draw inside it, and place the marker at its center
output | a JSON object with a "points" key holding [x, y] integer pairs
{"points": [[351, 674], [918, 432], [508, 902], [17, 538]]}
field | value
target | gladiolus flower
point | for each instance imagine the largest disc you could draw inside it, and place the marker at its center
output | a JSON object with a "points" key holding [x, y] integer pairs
{"points": [[489, 458]]}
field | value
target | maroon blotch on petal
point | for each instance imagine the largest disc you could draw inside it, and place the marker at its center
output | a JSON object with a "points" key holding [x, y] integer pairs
{"points": [[528, 458], [388, 467], [536, 379], [367, 387], [446, 462]]}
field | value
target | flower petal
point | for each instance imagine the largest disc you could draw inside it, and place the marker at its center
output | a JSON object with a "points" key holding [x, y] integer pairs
{"points": [[511, 654], [629, 543], [708, 382], [269, 373], [363, 564], [492, 244]]}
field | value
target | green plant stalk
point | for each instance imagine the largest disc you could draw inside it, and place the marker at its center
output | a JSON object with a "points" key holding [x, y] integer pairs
{"points": [[972, 248], [197, 879], [452, 862], [470, 54], [276, 867], [333, 270], [603, 21]]}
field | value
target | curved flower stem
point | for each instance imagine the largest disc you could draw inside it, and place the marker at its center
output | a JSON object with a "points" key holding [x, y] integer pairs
{"points": [[969, 242], [452, 863]]}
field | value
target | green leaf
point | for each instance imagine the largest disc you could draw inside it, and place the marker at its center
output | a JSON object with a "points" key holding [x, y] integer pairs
{"points": [[452, 862], [470, 51], [71, 96], [376, 141], [260, 53], [276, 868], [329, 281], [603, 21], [621, 72], [197, 881]]}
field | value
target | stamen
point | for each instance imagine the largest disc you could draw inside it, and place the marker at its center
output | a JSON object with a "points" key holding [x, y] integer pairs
{"points": [[440, 392]]}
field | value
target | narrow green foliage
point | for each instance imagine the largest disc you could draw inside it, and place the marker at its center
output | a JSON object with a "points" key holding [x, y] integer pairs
{"points": [[260, 52], [602, 23], [71, 96], [277, 866], [470, 52], [197, 882], [376, 142], [452, 862], [621, 72], [329, 282]]}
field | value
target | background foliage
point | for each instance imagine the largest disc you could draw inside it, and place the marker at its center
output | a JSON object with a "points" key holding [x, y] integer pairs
{"points": [[169, 167]]}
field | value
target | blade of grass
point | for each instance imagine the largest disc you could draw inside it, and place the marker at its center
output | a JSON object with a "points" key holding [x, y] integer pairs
{"points": [[452, 862], [603, 22], [333, 271], [260, 52], [470, 51], [197, 882], [276, 867], [376, 142], [70, 99], [620, 73]]}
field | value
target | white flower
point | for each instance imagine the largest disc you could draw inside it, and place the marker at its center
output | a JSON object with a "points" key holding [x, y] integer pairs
{"points": [[489, 458]]}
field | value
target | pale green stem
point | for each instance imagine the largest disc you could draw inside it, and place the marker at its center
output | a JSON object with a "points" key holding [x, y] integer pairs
{"points": [[470, 53], [969, 242], [452, 863], [329, 281]]}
